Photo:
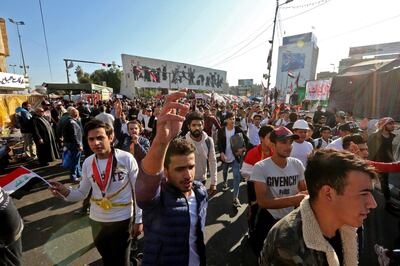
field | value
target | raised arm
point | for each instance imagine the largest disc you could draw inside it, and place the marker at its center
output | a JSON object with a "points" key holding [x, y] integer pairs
{"points": [[168, 126]]}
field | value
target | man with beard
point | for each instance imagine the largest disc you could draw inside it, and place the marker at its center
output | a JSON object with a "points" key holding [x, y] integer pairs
{"points": [[44, 138], [205, 150], [174, 204], [381, 150]]}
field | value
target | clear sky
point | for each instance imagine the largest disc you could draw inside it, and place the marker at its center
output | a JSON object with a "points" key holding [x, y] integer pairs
{"points": [[231, 35]]}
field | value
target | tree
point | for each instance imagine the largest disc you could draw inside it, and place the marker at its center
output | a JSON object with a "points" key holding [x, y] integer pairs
{"points": [[82, 76], [111, 76]]}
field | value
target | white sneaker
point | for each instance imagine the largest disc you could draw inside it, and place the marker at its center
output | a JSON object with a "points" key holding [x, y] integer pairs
{"points": [[236, 203]]}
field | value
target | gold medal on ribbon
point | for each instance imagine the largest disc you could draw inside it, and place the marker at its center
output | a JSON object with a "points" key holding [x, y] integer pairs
{"points": [[105, 204]]}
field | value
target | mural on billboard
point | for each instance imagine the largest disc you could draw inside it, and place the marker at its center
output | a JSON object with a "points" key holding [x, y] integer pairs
{"points": [[154, 73], [292, 61]]}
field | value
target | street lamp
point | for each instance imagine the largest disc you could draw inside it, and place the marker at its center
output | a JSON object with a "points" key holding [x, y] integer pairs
{"points": [[272, 43], [20, 43]]}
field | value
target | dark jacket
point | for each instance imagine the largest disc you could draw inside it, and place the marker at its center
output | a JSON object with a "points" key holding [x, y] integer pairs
{"points": [[25, 121], [375, 151], [10, 231], [125, 141], [141, 148], [221, 143], [72, 134], [166, 220]]}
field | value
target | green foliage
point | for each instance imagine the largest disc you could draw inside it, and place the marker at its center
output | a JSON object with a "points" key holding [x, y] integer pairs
{"points": [[111, 76]]}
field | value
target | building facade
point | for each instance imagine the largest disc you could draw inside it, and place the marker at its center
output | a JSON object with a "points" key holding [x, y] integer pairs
{"points": [[297, 61]]}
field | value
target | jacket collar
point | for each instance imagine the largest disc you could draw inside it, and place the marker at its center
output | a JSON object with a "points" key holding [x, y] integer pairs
{"points": [[314, 239]]}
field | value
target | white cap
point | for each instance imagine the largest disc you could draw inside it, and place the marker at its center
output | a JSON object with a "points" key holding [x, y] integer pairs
{"points": [[301, 124]]}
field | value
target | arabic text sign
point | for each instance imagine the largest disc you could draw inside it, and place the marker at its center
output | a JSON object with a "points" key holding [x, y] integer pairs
{"points": [[318, 90], [155, 73], [10, 80]]}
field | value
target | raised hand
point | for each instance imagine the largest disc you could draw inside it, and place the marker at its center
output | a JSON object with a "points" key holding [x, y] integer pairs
{"points": [[169, 122], [118, 108], [171, 117]]}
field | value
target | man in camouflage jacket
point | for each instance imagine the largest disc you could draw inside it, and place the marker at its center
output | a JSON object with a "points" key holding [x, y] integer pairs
{"points": [[322, 231]]}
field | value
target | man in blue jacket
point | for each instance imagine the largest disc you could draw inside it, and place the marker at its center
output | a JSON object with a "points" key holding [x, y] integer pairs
{"points": [[174, 205]]}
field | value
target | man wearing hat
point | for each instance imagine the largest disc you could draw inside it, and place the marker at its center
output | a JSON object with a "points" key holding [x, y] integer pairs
{"points": [[344, 130], [301, 147], [278, 181], [380, 149]]}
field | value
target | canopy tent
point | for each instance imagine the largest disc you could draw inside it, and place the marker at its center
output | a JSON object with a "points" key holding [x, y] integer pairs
{"points": [[74, 88], [368, 89]]}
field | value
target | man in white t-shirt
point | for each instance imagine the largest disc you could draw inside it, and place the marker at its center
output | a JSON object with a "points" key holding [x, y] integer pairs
{"points": [[301, 148], [111, 174], [278, 182]]}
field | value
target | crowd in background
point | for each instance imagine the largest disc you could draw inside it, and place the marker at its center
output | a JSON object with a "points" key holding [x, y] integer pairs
{"points": [[242, 136]]}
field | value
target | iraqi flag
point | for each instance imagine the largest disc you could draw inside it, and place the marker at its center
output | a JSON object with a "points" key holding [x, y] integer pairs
{"points": [[17, 179]]}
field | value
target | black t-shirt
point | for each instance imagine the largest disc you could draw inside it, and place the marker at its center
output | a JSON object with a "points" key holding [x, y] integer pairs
{"points": [[386, 150], [336, 243]]}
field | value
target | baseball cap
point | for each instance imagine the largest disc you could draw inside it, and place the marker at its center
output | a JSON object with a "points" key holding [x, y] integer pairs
{"points": [[350, 126], [282, 133]]}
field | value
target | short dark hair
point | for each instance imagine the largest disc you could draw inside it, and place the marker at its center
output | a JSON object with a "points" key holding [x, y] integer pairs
{"points": [[229, 115], [293, 117], [95, 123], [178, 146], [355, 138], [325, 128], [264, 130], [193, 116], [330, 167], [24, 104], [102, 108]]}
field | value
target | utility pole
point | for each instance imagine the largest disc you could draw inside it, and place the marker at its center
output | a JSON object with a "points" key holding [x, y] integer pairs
{"points": [[66, 69], [17, 23], [272, 46]]}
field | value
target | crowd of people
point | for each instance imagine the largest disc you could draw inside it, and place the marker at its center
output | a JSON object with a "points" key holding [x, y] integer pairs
{"points": [[150, 167]]}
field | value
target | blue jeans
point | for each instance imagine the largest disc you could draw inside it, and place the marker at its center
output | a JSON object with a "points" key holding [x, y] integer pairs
{"points": [[75, 171], [236, 175]]}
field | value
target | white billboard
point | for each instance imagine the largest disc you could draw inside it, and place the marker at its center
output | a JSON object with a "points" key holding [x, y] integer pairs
{"points": [[318, 90], [14, 81], [143, 72]]}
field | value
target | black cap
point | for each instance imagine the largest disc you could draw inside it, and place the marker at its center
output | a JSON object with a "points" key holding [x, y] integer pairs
{"points": [[351, 127]]}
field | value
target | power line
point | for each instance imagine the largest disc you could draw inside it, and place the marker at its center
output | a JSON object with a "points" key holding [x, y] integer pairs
{"points": [[246, 45], [305, 5], [308, 10], [361, 28], [45, 40], [228, 49], [230, 59]]}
